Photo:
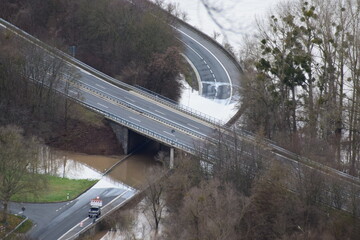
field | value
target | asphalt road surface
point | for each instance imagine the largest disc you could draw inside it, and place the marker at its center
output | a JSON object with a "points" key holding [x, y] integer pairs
{"points": [[53, 220]]}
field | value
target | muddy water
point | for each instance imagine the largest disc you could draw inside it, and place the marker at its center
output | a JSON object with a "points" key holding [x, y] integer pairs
{"points": [[133, 170], [130, 171], [98, 162]]}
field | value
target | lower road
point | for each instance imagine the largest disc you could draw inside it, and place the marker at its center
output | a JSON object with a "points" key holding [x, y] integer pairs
{"points": [[65, 220]]}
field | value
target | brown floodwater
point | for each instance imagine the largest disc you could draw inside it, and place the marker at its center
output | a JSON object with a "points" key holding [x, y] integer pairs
{"points": [[133, 170], [130, 171], [98, 162]]}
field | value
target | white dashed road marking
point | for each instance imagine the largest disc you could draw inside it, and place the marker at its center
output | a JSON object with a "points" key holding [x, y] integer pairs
{"points": [[102, 105], [135, 119], [192, 126], [100, 86], [129, 99], [160, 112], [169, 133]]}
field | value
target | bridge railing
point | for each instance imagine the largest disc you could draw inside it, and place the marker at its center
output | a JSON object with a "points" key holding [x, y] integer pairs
{"points": [[145, 131], [143, 111], [180, 107]]}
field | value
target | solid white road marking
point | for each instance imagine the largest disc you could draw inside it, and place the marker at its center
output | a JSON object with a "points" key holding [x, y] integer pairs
{"points": [[135, 119], [102, 105]]}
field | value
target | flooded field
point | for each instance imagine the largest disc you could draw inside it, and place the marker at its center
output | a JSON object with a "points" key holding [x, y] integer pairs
{"points": [[130, 171]]}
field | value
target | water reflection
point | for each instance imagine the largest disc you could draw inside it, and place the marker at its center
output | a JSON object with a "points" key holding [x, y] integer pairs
{"points": [[58, 163], [133, 170], [130, 171]]}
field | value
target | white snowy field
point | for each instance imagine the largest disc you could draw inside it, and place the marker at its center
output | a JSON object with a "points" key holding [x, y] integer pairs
{"points": [[218, 109], [237, 17]]}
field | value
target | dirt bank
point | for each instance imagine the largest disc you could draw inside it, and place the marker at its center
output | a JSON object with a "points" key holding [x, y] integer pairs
{"points": [[83, 137]]}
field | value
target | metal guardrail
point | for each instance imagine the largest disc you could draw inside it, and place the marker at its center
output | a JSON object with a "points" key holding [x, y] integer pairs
{"points": [[137, 128], [143, 111], [179, 107]]}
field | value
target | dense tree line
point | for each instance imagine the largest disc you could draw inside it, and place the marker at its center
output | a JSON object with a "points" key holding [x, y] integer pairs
{"points": [[254, 197], [116, 37], [302, 80]]}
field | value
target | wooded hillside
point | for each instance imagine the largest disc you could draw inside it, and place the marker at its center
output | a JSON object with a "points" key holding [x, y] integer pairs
{"points": [[116, 37]]}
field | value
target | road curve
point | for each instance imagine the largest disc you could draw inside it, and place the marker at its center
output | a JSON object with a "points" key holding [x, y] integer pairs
{"points": [[220, 75]]}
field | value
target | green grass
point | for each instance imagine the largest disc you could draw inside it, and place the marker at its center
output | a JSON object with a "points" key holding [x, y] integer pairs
{"points": [[190, 76], [25, 227], [84, 115], [57, 190], [12, 222]]}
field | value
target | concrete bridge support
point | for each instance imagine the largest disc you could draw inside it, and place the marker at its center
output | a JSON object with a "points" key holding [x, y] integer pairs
{"points": [[171, 164], [129, 139]]}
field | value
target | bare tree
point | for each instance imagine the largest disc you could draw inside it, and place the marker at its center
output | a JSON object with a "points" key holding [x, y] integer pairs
{"points": [[18, 156], [155, 189], [209, 211]]}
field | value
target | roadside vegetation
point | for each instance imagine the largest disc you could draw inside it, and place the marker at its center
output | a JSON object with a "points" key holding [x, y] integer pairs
{"points": [[301, 84], [190, 75], [57, 189], [244, 198], [12, 223]]}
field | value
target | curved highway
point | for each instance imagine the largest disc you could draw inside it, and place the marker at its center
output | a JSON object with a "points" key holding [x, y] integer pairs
{"points": [[219, 75]]}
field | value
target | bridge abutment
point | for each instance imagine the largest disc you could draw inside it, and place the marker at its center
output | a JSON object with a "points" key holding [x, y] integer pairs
{"points": [[171, 164], [129, 139]]}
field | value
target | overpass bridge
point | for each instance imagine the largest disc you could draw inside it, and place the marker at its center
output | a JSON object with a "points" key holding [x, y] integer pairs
{"points": [[129, 106], [151, 115]]}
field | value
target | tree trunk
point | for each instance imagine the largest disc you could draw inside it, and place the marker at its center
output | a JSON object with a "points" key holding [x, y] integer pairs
{"points": [[5, 212], [293, 110]]}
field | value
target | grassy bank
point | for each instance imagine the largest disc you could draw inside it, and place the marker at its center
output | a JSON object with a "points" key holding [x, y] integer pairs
{"points": [[58, 189], [12, 222], [190, 76]]}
